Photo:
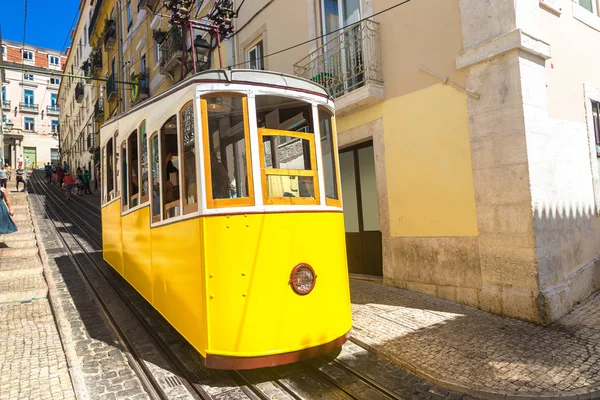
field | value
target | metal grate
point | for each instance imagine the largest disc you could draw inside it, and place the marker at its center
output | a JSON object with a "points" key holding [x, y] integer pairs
{"points": [[173, 381]]}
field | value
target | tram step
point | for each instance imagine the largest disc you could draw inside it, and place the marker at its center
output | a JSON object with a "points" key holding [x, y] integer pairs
{"points": [[7, 252], [14, 267], [17, 236], [23, 288]]}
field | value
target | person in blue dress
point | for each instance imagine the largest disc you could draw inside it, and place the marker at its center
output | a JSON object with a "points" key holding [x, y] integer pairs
{"points": [[7, 225]]}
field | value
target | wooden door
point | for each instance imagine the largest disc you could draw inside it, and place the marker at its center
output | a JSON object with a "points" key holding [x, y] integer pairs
{"points": [[361, 210]]}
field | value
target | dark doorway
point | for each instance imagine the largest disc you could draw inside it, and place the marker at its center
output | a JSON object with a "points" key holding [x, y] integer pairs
{"points": [[361, 210]]}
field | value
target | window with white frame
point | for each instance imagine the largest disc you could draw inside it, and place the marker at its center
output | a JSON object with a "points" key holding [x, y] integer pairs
{"points": [[589, 5], [156, 52], [129, 15], [3, 52], [255, 54], [28, 76], [54, 60], [28, 55], [29, 124], [54, 126], [55, 81], [3, 94], [28, 96]]}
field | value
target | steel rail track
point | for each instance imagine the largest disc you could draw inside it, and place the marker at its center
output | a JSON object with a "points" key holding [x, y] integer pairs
{"points": [[150, 382], [339, 390]]}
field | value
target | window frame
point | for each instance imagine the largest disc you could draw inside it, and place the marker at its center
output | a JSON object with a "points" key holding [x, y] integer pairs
{"points": [[143, 199], [313, 172], [25, 122], [32, 59], [103, 174], [122, 171], [154, 218], [259, 60], [161, 159], [131, 196], [212, 203], [336, 161], [187, 208], [51, 57]]}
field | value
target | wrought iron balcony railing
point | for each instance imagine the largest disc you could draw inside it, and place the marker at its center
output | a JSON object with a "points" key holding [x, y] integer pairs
{"points": [[99, 110], [6, 105], [28, 107], [110, 33], [79, 92], [52, 110], [346, 62], [170, 50], [111, 86]]}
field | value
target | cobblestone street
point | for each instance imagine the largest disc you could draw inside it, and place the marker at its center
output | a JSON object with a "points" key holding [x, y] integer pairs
{"points": [[477, 352]]}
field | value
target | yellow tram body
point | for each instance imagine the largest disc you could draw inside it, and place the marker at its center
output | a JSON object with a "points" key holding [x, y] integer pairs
{"points": [[219, 269]]}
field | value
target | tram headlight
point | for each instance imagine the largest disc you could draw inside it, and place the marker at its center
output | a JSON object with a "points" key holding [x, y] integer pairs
{"points": [[303, 279]]}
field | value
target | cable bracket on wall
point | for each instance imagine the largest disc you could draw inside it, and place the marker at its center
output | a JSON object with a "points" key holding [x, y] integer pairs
{"points": [[446, 81]]}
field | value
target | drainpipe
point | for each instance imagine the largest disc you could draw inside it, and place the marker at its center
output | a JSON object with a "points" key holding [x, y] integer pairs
{"points": [[120, 44]]}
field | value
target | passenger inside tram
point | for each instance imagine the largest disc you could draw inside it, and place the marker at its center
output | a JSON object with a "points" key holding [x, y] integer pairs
{"points": [[170, 164]]}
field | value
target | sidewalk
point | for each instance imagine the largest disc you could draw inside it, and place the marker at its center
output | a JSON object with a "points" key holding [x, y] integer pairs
{"points": [[481, 354], [32, 361]]}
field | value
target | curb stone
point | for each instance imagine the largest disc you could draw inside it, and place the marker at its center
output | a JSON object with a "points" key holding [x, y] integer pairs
{"points": [[73, 362], [489, 394]]}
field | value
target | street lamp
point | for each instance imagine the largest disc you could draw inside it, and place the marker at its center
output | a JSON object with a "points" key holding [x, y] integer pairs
{"points": [[202, 53]]}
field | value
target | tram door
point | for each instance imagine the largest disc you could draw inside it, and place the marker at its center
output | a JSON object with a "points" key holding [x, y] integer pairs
{"points": [[361, 210]]}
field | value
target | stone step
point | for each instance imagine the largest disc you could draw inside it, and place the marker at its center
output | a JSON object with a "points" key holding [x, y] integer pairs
{"points": [[14, 267], [23, 288], [17, 236], [22, 228], [7, 252], [21, 216], [19, 207], [21, 244]]}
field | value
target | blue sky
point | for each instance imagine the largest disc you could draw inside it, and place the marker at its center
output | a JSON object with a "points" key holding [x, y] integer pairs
{"points": [[48, 22]]}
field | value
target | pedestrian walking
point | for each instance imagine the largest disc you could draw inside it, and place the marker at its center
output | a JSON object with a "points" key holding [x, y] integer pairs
{"points": [[69, 182], [86, 181], [8, 171], [48, 169], [21, 178], [3, 174], [7, 225]]}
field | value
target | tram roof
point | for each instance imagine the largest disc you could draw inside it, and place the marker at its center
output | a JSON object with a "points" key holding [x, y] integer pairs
{"points": [[250, 77]]}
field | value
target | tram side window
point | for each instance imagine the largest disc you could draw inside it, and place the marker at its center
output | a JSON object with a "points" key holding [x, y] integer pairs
{"points": [[329, 151], [288, 150], [155, 170], [227, 144], [132, 144], [116, 147], [170, 162], [144, 153], [188, 144], [109, 176], [103, 174], [124, 178]]}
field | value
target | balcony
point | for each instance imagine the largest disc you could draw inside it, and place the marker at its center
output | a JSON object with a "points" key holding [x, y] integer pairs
{"points": [[170, 51], [79, 92], [95, 62], [6, 105], [91, 142], [111, 86], [27, 107], [148, 4], [110, 34], [348, 66], [99, 110], [52, 110]]}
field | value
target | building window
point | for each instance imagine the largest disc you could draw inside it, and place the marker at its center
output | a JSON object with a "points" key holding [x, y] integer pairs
{"points": [[3, 94], [143, 64], [129, 15], [54, 126], [28, 76], [28, 97], [255, 54], [55, 81], [27, 55], [589, 5], [85, 35], [596, 120], [53, 99], [29, 124], [4, 52], [54, 60]]}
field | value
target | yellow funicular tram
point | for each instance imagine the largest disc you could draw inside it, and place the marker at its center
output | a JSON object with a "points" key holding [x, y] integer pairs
{"points": [[221, 206]]}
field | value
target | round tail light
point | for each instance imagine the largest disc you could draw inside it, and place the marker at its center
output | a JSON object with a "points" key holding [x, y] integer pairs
{"points": [[302, 279]]}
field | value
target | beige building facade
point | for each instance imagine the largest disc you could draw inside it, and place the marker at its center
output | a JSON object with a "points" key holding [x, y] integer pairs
{"points": [[468, 131]]}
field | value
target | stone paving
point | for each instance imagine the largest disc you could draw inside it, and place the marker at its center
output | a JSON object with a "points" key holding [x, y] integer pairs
{"points": [[32, 360], [475, 352]]}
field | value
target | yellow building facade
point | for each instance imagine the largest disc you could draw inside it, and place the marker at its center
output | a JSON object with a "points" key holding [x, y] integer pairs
{"points": [[441, 117]]}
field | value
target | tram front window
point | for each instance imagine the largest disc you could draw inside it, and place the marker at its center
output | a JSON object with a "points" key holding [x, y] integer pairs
{"points": [[170, 161], [286, 128], [227, 139]]}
